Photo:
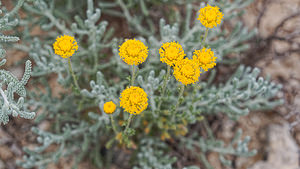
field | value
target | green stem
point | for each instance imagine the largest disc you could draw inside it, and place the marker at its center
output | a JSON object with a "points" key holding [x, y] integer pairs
{"points": [[132, 20], [132, 75], [17, 7], [128, 123], [208, 130], [178, 101], [6, 103], [96, 63], [132, 83], [179, 97], [204, 38], [164, 87], [73, 75], [113, 124]]}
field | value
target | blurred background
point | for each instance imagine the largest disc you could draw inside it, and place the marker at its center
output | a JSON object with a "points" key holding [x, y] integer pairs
{"points": [[275, 49]]}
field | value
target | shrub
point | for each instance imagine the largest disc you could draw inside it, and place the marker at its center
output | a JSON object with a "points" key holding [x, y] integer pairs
{"points": [[144, 90]]}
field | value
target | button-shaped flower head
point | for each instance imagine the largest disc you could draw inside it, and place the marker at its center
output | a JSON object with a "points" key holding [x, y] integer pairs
{"points": [[171, 53], [134, 100], [210, 16], [205, 58], [65, 46], [109, 107], [187, 71], [133, 52]]}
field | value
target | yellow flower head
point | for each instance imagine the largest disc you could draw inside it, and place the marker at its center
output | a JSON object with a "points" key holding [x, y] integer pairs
{"points": [[119, 137], [187, 71], [133, 52], [205, 58], [65, 46], [109, 107], [165, 136], [171, 52], [210, 16], [134, 100]]}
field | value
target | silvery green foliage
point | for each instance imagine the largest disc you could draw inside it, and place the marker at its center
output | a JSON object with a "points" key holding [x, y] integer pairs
{"points": [[45, 64], [9, 83], [101, 92], [73, 138], [150, 85], [79, 131], [243, 92], [6, 23], [52, 106], [97, 39], [9, 104], [77, 136], [237, 147], [188, 34], [151, 155]]}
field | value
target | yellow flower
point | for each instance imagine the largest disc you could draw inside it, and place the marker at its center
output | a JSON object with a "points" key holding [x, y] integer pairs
{"points": [[121, 122], [133, 52], [210, 16], [109, 107], [145, 123], [134, 100], [65, 46], [181, 130], [205, 58], [119, 137], [171, 53], [187, 71], [147, 130], [165, 136]]}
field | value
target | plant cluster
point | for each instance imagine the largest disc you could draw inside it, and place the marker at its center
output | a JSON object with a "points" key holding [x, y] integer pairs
{"points": [[172, 84], [9, 83]]}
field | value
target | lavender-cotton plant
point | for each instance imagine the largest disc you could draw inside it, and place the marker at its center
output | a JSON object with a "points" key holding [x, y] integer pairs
{"points": [[141, 92]]}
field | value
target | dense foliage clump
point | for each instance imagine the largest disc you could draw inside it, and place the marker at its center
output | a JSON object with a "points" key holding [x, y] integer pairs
{"points": [[140, 92]]}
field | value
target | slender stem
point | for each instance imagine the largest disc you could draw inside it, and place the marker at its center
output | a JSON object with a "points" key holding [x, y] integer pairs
{"points": [[179, 97], [128, 122], [113, 124], [132, 20], [204, 160], [93, 39], [4, 96], [57, 24], [164, 87], [132, 83], [204, 38], [73, 75], [96, 63], [178, 102], [132, 75], [221, 150], [208, 130], [17, 7]]}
